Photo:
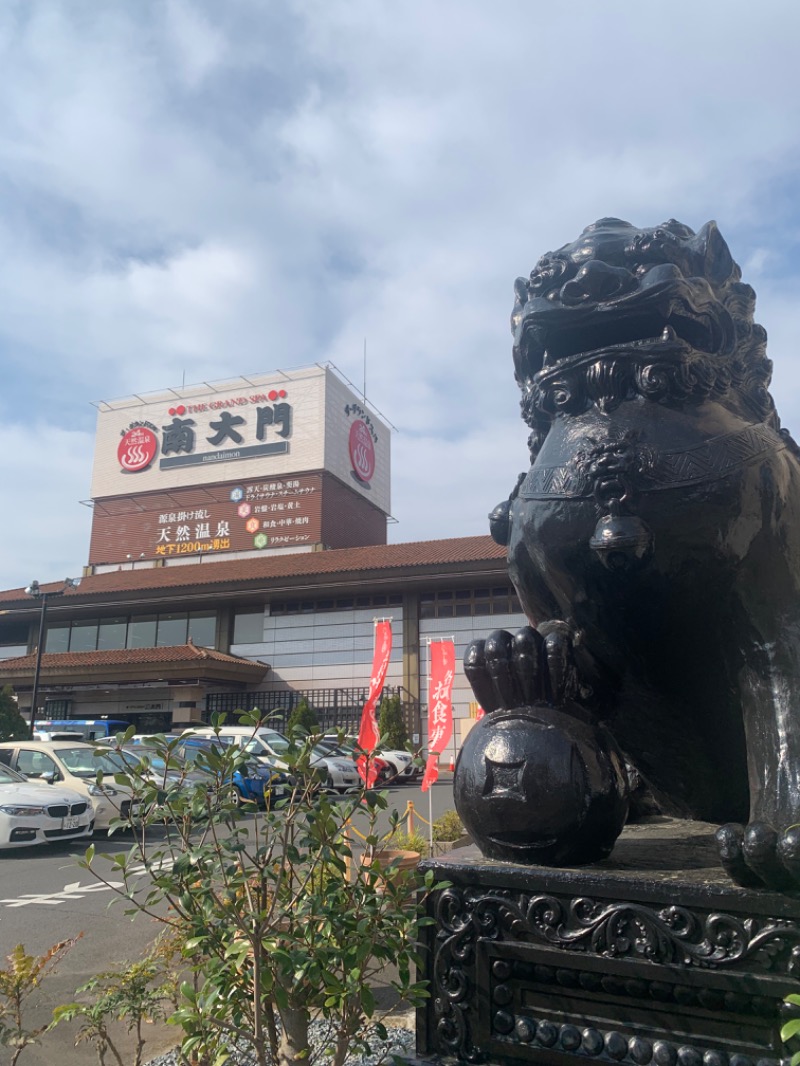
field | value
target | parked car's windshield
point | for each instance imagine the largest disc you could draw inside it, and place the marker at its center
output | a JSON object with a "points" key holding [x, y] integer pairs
{"points": [[85, 762], [9, 776], [276, 741]]}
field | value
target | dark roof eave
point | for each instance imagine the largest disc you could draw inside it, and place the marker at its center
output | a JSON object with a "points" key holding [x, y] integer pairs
{"points": [[208, 672], [398, 564]]}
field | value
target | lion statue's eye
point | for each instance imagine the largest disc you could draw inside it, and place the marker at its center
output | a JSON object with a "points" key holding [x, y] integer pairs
{"points": [[545, 273]]}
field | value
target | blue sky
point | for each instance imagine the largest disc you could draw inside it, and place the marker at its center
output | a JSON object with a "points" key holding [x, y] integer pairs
{"points": [[201, 190]]}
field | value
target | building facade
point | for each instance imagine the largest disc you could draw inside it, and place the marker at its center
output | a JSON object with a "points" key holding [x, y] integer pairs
{"points": [[292, 461], [238, 560], [165, 646]]}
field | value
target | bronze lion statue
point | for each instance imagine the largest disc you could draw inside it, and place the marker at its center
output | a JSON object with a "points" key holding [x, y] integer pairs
{"points": [[655, 541]]}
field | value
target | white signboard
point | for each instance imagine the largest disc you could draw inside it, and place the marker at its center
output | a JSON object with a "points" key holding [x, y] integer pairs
{"points": [[250, 428]]}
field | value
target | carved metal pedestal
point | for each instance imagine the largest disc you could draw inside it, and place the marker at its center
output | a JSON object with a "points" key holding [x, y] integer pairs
{"points": [[650, 956]]}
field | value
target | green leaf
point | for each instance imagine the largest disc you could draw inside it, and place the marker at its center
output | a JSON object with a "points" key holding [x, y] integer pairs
{"points": [[790, 1029]]}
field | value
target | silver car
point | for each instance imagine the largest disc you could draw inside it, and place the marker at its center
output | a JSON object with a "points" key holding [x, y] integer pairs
{"points": [[341, 773]]}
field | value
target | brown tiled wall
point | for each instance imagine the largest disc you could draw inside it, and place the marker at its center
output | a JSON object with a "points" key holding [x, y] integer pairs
{"points": [[348, 520]]}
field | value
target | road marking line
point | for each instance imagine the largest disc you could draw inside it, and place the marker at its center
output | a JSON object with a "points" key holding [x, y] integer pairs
{"points": [[52, 899]]}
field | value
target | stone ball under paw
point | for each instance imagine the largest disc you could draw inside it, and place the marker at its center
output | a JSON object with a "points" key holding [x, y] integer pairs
{"points": [[541, 786]]}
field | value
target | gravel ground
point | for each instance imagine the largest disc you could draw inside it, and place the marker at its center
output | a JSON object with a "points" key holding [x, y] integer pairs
{"points": [[401, 1041]]}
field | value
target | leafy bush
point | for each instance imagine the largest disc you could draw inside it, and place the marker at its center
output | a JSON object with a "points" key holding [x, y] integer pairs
{"points": [[303, 719], [791, 1028], [392, 724], [12, 725], [410, 842], [133, 994], [274, 917], [448, 826], [19, 978]]}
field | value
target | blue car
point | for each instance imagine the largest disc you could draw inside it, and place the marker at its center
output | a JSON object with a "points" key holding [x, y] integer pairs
{"points": [[252, 781]]}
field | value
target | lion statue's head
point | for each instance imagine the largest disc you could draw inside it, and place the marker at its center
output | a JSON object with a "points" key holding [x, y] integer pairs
{"points": [[660, 313]]}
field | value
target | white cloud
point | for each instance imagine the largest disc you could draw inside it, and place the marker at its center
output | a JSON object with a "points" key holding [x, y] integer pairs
{"points": [[208, 190], [44, 471]]}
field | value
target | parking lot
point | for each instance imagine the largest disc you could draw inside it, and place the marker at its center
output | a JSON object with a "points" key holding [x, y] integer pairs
{"points": [[45, 898]]}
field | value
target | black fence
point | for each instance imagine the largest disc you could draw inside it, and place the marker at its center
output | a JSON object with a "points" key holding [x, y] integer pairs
{"points": [[335, 708]]}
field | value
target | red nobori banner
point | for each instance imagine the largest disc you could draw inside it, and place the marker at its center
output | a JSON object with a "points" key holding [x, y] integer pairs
{"points": [[368, 733], [440, 706]]}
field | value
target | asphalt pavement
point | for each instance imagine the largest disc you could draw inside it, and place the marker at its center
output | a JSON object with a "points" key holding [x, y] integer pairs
{"points": [[45, 898]]}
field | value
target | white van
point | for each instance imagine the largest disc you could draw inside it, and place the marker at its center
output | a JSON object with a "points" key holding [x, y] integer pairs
{"points": [[271, 747]]}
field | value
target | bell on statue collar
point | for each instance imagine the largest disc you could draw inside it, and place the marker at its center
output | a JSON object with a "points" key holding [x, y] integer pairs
{"points": [[620, 541]]}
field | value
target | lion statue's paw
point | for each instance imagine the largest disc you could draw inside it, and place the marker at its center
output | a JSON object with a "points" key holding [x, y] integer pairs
{"points": [[517, 670], [759, 856]]}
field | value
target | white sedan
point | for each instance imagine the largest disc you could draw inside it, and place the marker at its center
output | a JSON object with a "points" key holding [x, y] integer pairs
{"points": [[75, 766], [37, 814]]}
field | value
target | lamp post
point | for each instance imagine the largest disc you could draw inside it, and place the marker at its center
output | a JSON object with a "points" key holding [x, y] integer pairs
{"points": [[38, 593]]}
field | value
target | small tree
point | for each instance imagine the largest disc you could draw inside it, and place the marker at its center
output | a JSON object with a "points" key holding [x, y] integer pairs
{"points": [[391, 723], [12, 725], [274, 916], [303, 719], [20, 978]]}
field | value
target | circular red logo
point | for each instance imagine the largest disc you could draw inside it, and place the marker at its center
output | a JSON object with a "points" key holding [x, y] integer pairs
{"points": [[137, 449], [362, 451]]}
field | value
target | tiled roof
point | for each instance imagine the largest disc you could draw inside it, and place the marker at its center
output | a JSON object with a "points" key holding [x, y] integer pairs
{"points": [[422, 555], [181, 653]]}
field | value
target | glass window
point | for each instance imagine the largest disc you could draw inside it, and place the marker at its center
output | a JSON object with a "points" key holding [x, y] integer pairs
{"points": [[14, 633], [248, 627], [445, 595], [35, 763], [203, 628], [463, 594], [85, 762], [172, 630], [111, 634], [142, 632], [83, 636], [57, 638], [463, 609]]}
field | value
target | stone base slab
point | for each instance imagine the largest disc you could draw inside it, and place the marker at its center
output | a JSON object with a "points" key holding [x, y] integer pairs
{"points": [[650, 956]]}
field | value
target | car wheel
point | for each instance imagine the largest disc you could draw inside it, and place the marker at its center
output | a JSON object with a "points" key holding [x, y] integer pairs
{"points": [[236, 797], [386, 775]]}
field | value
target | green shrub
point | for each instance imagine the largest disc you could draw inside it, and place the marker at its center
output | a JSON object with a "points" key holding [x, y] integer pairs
{"points": [[19, 979], [303, 720], [277, 922], [12, 725], [133, 994], [410, 842], [448, 826], [392, 724]]}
